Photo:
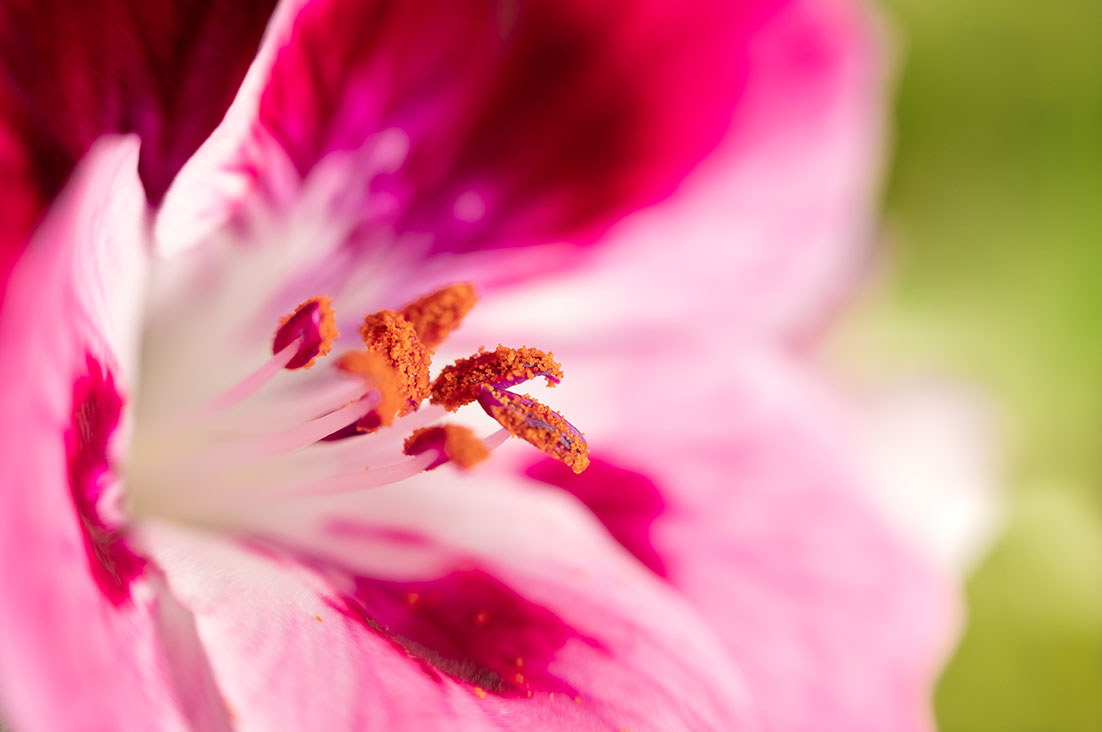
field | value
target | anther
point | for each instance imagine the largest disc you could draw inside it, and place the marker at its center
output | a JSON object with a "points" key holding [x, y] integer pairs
{"points": [[461, 382], [376, 370], [392, 336], [315, 325], [435, 316], [451, 443], [537, 424]]}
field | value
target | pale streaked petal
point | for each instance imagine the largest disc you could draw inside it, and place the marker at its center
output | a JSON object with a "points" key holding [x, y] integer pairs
{"points": [[309, 645]]}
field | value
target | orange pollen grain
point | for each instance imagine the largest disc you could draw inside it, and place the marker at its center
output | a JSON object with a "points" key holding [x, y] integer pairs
{"points": [[388, 333], [376, 368], [522, 420], [460, 444], [479, 692], [435, 316], [459, 383]]}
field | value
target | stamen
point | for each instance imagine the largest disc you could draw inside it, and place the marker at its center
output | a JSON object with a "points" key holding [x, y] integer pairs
{"points": [[449, 442], [248, 386], [389, 334], [316, 429], [373, 477], [314, 325], [435, 316], [538, 424], [461, 382]]}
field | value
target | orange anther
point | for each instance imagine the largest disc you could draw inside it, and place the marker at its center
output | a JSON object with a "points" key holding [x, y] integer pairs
{"points": [[537, 424], [460, 383], [314, 325], [376, 368], [388, 333], [435, 316], [458, 444]]}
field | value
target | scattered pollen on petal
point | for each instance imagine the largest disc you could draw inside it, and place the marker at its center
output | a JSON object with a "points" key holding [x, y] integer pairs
{"points": [[453, 443], [435, 316], [538, 424], [388, 333], [461, 382], [316, 324], [376, 368], [479, 692]]}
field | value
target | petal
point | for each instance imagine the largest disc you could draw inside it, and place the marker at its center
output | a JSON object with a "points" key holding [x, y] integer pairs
{"points": [[836, 619], [87, 631], [525, 124], [770, 232], [360, 633], [933, 462], [74, 71]]}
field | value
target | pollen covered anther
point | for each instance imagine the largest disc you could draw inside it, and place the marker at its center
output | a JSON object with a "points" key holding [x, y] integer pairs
{"points": [[375, 368], [452, 442], [537, 424], [392, 336], [435, 316], [461, 382], [315, 323]]}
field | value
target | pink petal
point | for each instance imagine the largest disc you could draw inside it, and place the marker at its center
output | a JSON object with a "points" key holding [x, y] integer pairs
{"points": [[836, 619], [306, 644], [526, 123], [89, 635], [74, 71], [769, 234]]}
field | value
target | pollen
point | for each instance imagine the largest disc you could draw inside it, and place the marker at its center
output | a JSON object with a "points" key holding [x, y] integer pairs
{"points": [[479, 692], [315, 323], [435, 316], [537, 424], [389, 334], [375, 367], [454, 443], [461, 382]]}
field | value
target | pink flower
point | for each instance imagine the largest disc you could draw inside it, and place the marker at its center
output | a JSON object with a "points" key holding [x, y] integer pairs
{"points": [[181, 547]]}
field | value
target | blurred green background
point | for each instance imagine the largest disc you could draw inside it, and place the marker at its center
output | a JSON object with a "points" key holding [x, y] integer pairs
{"points": [[994, 214]]}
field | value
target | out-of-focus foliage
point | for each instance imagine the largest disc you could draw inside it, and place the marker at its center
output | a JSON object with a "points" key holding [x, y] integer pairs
{"points": [[994, 228]]}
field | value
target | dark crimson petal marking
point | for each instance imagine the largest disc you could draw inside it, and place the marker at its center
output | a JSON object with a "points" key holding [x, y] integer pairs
{"points": [[469, 626], [95, 415], [529, 121], [627, 503], [71, 71]]}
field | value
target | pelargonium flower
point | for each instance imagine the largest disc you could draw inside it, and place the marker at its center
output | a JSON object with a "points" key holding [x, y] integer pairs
{"points": [[242, 252]]}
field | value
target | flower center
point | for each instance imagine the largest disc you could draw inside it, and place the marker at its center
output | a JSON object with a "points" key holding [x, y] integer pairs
{"points": [[353, 424]]}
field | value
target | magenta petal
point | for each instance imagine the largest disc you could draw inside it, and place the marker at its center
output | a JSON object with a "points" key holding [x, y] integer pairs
{"points": [[470, 626], [91, 636], [528, 122], [95, 416], [627, 503], [72, 71]]}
